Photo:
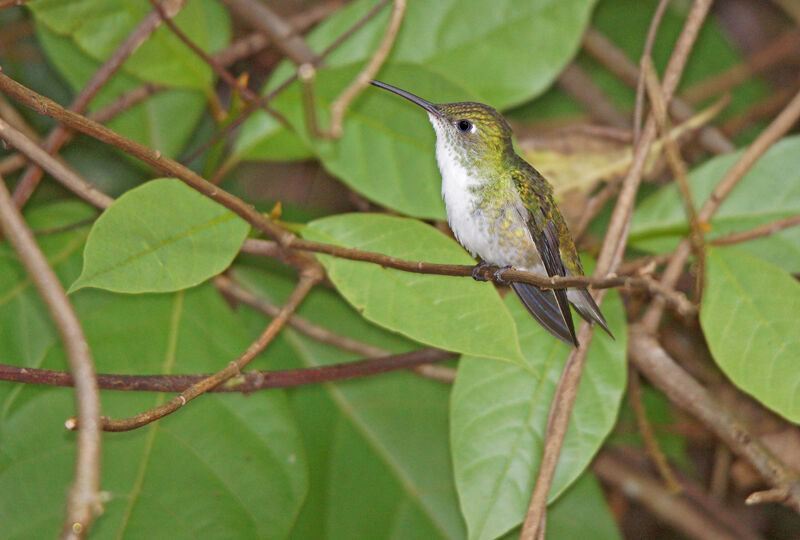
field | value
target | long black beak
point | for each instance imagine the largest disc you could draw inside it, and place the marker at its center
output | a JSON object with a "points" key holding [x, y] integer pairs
{"points": [[427, 105]]}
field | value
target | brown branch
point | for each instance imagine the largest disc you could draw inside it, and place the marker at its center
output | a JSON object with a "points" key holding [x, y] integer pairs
{"points": [[152, 157], [776, 129], [307, 281], [250, 381], [83, 501], [58, 170], [663, 372], [56, 138], [609, 258], [678, 512], [677, 300]]}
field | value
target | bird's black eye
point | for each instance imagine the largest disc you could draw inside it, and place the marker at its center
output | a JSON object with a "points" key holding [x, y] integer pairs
{"points": [[464, 126]]}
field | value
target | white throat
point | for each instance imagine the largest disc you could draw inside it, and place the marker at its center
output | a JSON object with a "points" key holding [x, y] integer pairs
{"points": [[459, 199]]}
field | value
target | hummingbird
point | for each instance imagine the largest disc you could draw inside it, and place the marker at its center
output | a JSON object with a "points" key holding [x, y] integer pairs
{"points": [[502, 210]]}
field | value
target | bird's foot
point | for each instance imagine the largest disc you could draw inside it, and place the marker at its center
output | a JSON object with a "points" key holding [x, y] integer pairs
{"points": [[498, 275], [478, 271]]}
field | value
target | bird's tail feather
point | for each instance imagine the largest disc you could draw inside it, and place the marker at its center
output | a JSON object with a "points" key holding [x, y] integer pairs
{"points": [[588, 309], [551, 309]]}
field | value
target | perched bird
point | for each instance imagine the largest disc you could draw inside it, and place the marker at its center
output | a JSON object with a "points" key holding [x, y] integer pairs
{"points": [[502, 210]]}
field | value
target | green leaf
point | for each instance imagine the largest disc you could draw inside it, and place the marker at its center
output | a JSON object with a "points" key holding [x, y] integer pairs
{"points": [[376, 446], [162, 236], [469, 51], [97, 27], [453, 313], [769, 191], [239, 457], [749, 317], [164, 120], [499, 416]]}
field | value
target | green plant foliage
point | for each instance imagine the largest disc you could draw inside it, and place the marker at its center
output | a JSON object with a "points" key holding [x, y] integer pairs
{"points": [[97, 27], [377, 447], [769, 191], [225, 465], [162, 236], [453, 313], [749, 317], [499, 416], [451, 50], [625, 23], [164, 120]]}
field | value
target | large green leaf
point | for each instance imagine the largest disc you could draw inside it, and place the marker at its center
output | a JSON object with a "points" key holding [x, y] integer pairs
{"points": [[159, 237], [457, 314], [450, 50], [239, 457], [749, 317], [769, 191], [377, 447], [499, 416], [97, 27]]}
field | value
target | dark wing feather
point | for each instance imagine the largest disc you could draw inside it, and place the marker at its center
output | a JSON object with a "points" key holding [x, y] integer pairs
{"points": [[542, 304], [547, 245]]}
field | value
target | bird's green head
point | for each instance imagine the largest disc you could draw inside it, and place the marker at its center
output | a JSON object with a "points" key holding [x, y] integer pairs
{"points": [[475, 132]]}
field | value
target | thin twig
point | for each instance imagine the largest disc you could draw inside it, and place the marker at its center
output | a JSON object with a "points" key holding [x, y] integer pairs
{"points": [[777, 128], [612, 58], [648, 435], [316, 61], [757, 232], [168, 166], [608, 259], [368, 72], [83, 501], [652, 32], [56, 138], [58, 170], [307, 281], [250, 381], [232, 289], [679, 172], [677, 300]]}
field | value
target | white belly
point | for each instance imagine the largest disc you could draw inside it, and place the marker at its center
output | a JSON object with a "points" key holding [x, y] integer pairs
{"points": [[474, 229]]}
